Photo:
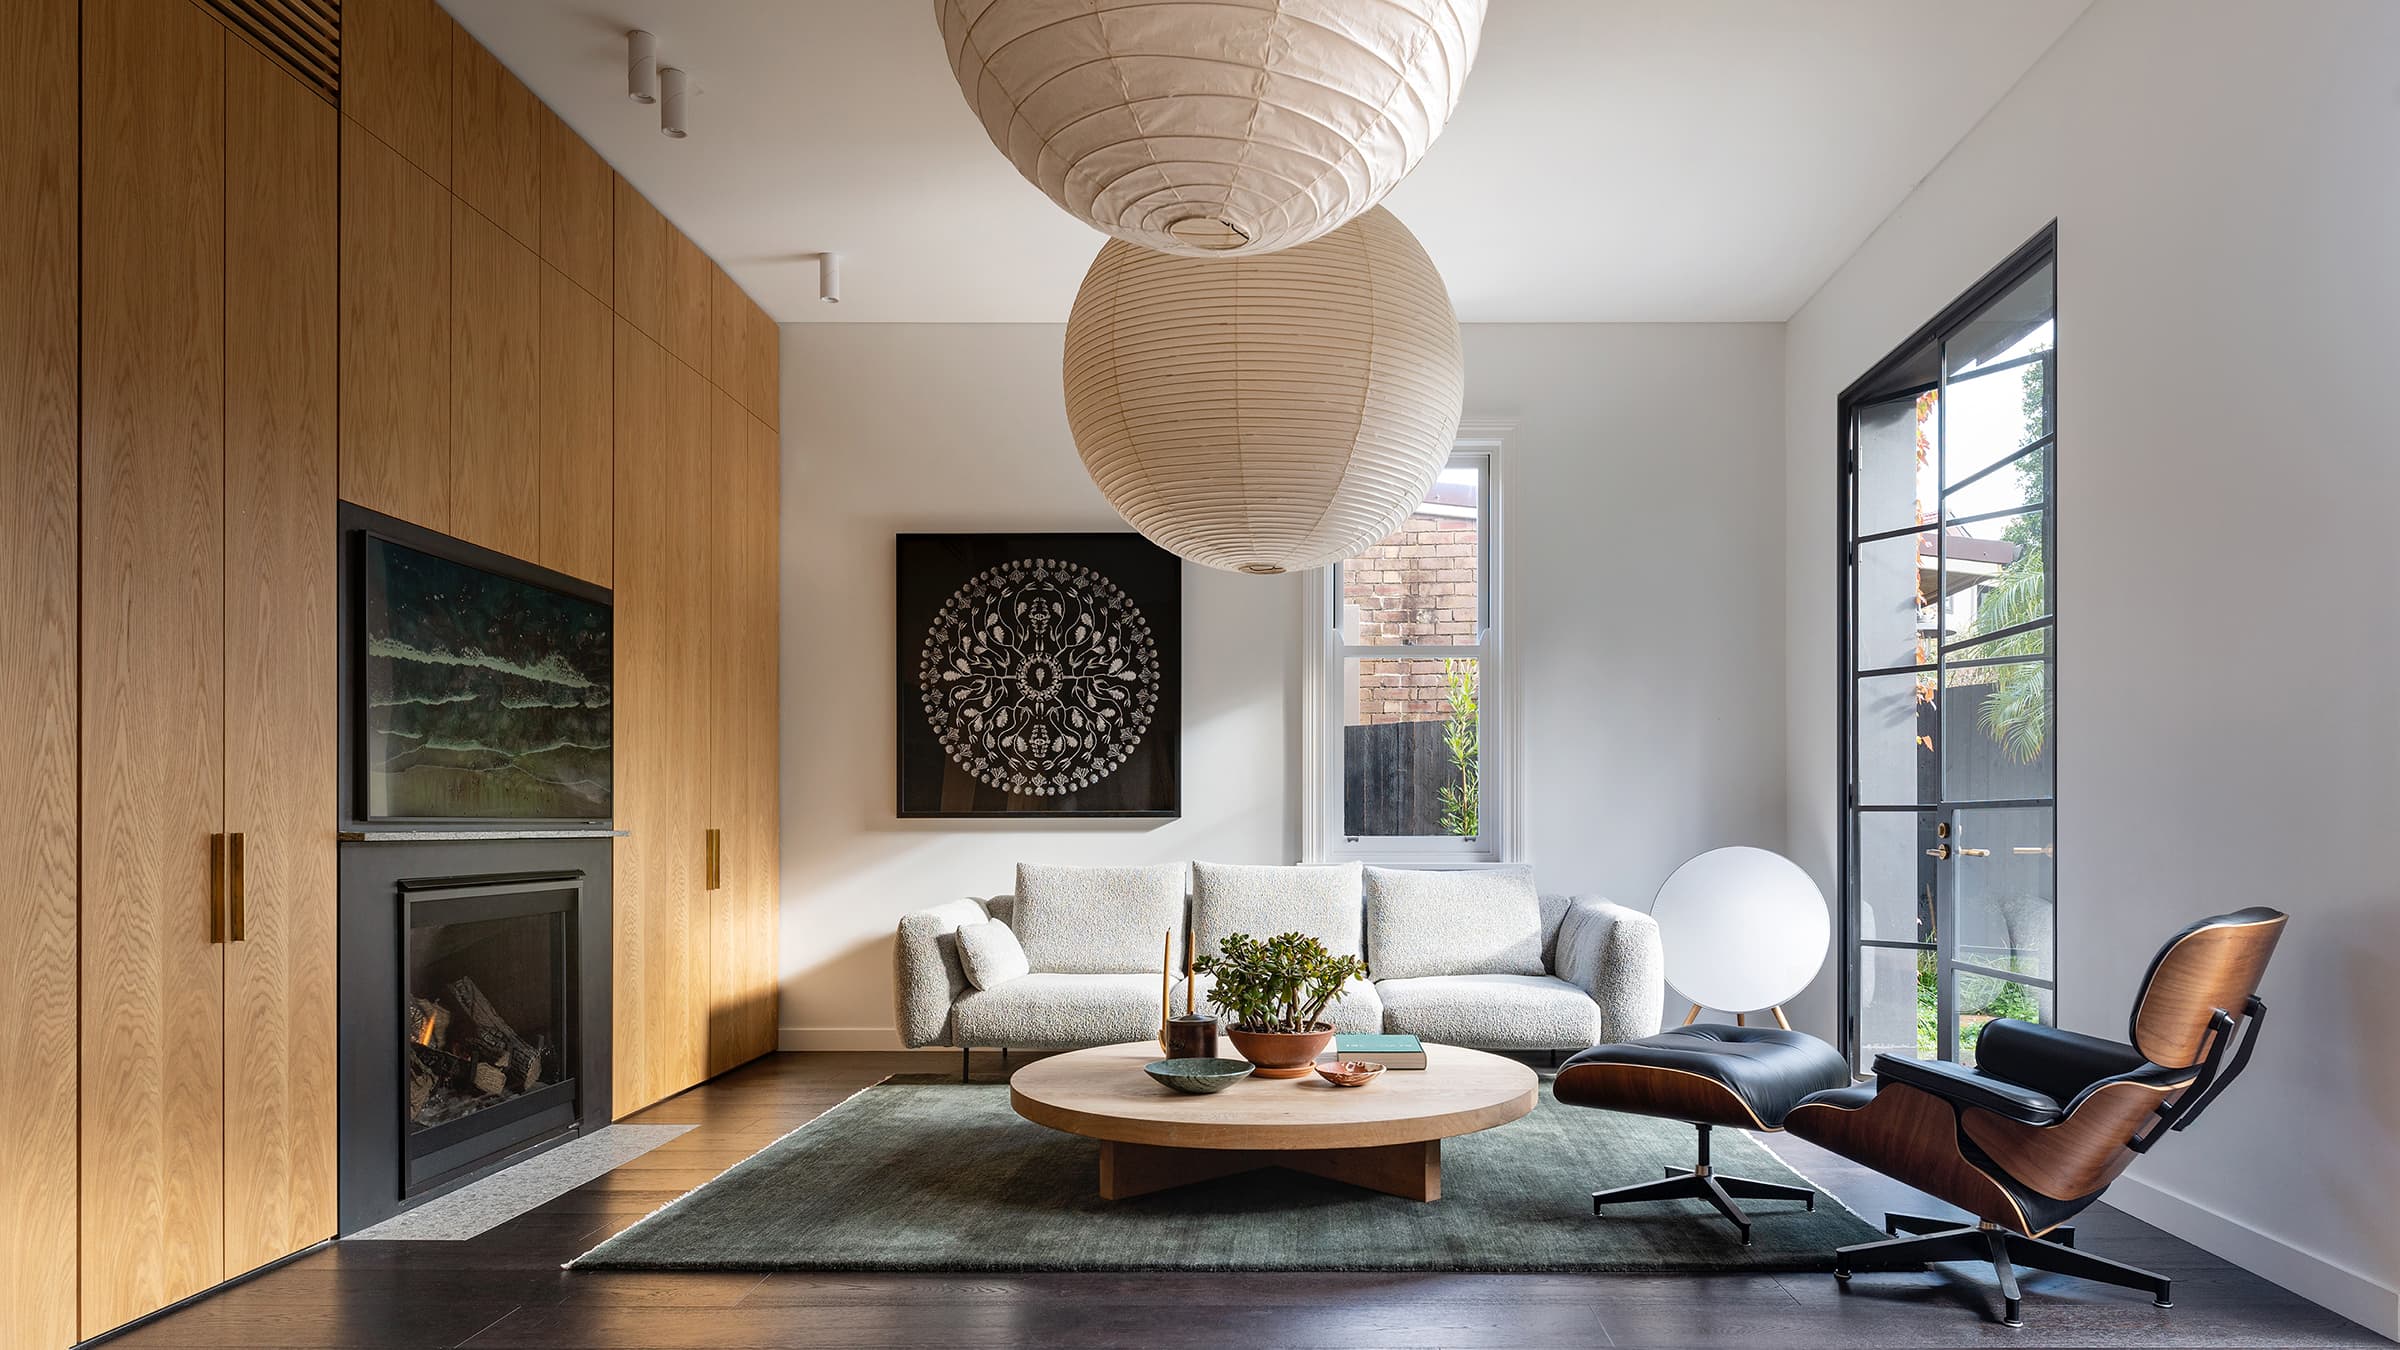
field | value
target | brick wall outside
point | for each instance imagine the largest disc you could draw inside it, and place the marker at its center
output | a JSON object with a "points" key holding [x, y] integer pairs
{"points": [[1417, 585]]}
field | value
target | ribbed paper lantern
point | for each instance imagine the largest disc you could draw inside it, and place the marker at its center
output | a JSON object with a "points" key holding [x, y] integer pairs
{"points": [[1206, 127], [1266, 414]]}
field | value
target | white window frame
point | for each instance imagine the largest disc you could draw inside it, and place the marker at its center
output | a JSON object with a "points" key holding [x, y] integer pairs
{"points": [[1322, 655]]}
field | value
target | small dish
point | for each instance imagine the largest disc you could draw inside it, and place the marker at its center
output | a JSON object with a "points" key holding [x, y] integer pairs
{"points": [[1198, 1076], [1349, 1072]]}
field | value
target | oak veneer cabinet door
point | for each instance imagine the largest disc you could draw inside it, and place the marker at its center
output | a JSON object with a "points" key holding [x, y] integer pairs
{"points": [[764, 380], [641, 261], [397, 71], [494, 146], [153, 682], [38, 359], [742, 532], [680, 1019], [282, 297], [395, 347], [689, 274], [660, 576], [495, 437], [578, 210], [743, 347], [577, 491], [729, 336]]}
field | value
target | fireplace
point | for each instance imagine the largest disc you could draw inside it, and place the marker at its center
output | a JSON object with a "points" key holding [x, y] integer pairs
{"points": [[487, 1015], [474, 1008]]}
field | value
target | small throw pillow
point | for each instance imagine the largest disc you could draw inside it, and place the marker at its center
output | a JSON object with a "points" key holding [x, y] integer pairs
{"points": [[1322, 902], [990, 954], [1097, 920], [1483, 922]]}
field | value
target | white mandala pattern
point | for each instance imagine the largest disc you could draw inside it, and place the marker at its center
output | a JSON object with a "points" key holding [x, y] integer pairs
{"points": [[1039, 676]]}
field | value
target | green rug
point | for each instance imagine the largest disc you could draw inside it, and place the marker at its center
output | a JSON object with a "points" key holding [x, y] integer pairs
{"points": [[919, 1175]]}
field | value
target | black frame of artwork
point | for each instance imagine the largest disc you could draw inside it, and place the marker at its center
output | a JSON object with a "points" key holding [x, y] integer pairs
{"points": [[929, 569], [356, 527]]}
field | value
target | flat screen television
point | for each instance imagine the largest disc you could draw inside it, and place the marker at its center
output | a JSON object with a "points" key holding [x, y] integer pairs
{"points": [[485, 697]]}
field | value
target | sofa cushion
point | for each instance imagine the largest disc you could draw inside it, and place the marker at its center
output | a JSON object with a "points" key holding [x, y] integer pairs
{"points": [[1490, 1012], [1322, 902], [1096, 920], [990, 954], [1356, 1008], [1059, 1012], [1484, 922]]}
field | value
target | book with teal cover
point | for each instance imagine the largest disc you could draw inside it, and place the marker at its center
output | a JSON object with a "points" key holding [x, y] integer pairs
{"points": [[1393, 1052]]}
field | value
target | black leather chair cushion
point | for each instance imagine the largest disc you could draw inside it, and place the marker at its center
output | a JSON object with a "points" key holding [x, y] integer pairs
{"points": [[1967, 1087], [1765, 1069], [2048, 1060]]}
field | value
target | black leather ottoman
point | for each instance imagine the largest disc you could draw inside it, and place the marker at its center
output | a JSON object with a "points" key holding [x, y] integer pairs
{"points": [[1708, 1075]]}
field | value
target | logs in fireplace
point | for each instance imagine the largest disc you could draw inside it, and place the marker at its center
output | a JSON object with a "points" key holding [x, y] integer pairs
{"points": [[460, 1063]]}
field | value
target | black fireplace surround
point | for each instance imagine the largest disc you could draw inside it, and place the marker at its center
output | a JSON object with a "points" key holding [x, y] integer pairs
{"points": [[474, 1008], [415, 1120]]}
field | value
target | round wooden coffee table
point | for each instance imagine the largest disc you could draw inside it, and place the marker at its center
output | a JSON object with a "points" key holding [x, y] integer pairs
{"points": [[1386, 1136]]}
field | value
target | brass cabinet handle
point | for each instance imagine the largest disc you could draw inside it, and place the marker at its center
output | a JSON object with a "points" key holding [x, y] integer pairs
{"points": [[1974, 853], [1941, 852], [2044, 850], [715, 851], [240, 909], [216, 888]]}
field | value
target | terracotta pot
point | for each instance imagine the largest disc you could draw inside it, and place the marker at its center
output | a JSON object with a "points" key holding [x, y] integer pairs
{"points": [[1282, 1054]]}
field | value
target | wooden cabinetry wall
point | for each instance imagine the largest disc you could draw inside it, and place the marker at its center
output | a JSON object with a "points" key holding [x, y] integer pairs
{"points": [[536, 360], [225, 304]]}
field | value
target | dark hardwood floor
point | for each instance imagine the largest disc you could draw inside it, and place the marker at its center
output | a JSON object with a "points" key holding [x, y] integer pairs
{"points": [[505, 1288]]}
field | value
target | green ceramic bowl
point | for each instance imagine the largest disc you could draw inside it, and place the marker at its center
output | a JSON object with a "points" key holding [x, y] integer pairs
{"points": [[1198, 1075]]}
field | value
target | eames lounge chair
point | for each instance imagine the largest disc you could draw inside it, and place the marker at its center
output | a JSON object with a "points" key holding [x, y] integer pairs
{"points": [[2046, 1119]]}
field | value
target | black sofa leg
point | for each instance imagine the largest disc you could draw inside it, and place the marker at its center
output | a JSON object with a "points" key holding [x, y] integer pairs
{"points": [[1701, 1182], [2004, 1250]]}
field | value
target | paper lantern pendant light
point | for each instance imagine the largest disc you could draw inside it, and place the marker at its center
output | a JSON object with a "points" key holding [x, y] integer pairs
{"points": [[1272, 413], [1212, 127]]}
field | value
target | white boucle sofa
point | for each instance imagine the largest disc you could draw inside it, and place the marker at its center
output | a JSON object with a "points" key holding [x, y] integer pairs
{"points": [[1478, 959]]}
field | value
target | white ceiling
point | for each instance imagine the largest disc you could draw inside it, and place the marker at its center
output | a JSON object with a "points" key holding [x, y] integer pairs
{"points": [[1612, 161]]}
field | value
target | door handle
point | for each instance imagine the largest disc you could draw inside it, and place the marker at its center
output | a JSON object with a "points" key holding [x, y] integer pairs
{"points": [[715, 853], [216, 888], [240, 886]]}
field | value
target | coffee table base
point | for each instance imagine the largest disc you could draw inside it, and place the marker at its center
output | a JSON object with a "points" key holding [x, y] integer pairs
{"points": [[1410, 1171]]}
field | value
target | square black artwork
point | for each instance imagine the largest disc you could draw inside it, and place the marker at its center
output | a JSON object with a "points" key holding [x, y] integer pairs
{"points": [[1041, 675]]}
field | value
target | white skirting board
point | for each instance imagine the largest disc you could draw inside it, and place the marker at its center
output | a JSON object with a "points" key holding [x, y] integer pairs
{"points": [[2358, 1296]]}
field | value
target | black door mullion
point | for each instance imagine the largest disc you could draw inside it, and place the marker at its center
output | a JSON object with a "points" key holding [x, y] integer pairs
{"points": [[1959, 332]]}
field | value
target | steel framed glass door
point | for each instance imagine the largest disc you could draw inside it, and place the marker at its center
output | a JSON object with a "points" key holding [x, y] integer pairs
{"points": [[1949, 466]]}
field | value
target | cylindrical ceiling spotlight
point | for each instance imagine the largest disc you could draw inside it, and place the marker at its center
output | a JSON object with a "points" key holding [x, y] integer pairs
{"points": [[1272, 413], [829, 278], [671, 105], [641, 67]]}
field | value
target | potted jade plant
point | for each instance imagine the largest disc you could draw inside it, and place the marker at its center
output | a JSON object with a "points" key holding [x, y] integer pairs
{"points": [[1274, 995]]}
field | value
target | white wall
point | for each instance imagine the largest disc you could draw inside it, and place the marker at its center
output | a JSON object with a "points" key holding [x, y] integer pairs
{"points": [[2226, 178], [1644, 539]]}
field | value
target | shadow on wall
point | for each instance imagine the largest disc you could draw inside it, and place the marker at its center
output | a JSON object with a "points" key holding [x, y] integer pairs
{"points": [[2374, 970]]}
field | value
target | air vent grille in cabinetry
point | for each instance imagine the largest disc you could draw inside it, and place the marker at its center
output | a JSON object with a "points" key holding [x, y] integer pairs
{"points": [[302, 36]]}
